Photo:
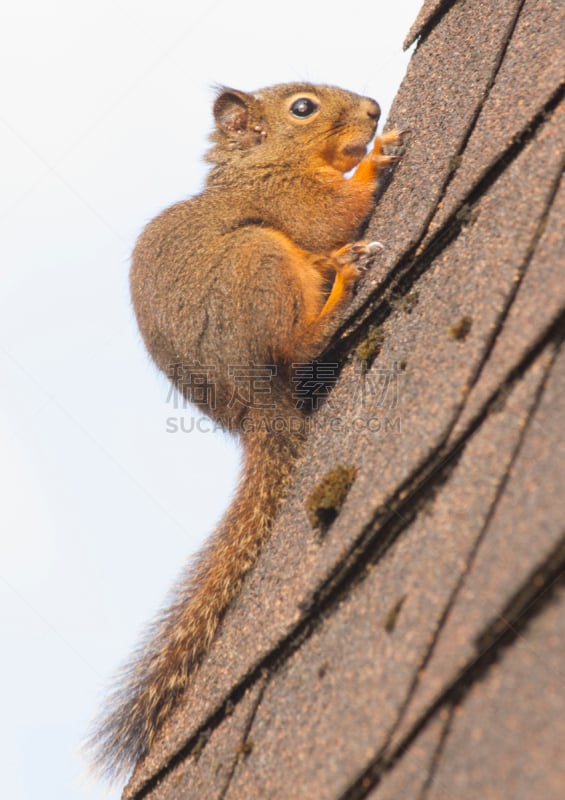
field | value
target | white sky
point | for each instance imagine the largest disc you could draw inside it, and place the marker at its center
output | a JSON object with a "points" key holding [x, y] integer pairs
{"points": [[104, 113]]}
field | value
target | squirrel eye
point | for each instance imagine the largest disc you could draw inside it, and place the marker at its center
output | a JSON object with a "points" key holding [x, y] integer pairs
{"points": [[303, 107]]}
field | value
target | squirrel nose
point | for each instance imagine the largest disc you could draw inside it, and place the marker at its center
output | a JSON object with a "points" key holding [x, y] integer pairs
{"points": [[372, 108]]}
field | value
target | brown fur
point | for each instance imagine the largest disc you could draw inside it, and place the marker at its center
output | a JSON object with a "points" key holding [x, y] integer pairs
{"points": [[251, 271]]}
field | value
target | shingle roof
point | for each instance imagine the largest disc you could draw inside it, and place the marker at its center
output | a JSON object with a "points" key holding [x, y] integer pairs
{"points": [[414, 649]]}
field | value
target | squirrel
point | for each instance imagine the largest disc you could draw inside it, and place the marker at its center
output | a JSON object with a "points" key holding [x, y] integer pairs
{"points": [[249, 275]]}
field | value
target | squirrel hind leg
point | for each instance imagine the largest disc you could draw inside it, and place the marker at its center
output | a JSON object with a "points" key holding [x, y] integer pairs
{"points": [[348, 261], [313, 331]]}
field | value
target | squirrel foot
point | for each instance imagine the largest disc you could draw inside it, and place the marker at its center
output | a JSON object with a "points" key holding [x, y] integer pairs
{"points": [[351, 254], [345, 261]]}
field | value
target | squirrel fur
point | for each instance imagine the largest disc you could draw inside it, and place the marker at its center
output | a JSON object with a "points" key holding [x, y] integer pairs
{"points": [[253, 271]]}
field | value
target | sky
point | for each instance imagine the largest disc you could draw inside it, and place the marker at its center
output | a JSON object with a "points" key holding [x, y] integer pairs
{"points": [[105, 110]]}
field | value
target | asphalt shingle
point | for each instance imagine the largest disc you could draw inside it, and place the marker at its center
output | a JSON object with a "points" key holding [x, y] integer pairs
{"points": [[336, 702], [206, 770], [413, 770], [506, 737], [452, 69], [413, 648], [531, 76], [514, 554], [430, 10]]}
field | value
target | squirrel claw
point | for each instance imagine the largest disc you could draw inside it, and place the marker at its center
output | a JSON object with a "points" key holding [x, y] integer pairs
{"points": [[360, 251], [369, 250], [388, 159], [374, 246], [402, 132], [394, 137], [365, 249], [354, 252]]}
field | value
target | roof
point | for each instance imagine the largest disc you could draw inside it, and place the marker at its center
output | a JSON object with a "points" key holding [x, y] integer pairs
{"points": [[415, 646]]}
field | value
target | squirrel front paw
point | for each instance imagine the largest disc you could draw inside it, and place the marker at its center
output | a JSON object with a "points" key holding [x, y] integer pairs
{"points": [[391, 138]]}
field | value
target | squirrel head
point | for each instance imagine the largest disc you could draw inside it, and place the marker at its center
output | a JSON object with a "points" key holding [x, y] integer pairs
{"points": [[311, 125]]}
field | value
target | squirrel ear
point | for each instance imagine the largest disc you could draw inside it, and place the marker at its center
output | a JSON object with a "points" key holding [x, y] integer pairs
{"points": [[232, 111]]}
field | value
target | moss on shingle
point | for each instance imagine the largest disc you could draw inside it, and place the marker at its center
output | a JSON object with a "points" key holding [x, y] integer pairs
{"points": [[324, 502], [370, 347], [461, 328]]}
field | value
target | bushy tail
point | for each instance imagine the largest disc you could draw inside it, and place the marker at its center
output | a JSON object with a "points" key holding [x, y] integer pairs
{"points": [[152, 684]]}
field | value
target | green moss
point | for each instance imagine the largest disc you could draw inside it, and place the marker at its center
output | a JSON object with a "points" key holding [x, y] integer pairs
{"points": [[454, 163], [405, 302], [499, 401], [322, 669], [392, 616], [467, 215], [201, 743], [461, 328], [246, 748], [370, 347], [324, 502]]}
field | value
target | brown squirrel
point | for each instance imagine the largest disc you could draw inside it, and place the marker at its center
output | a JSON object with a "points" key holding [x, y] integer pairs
{"points": [[250, 274]]}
